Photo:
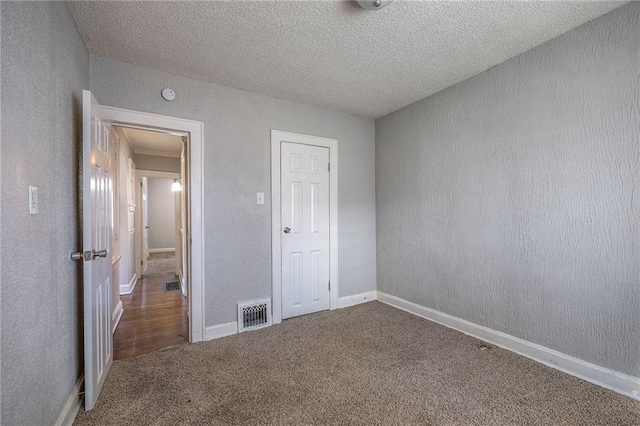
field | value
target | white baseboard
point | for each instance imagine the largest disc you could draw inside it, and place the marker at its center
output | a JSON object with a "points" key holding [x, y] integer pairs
{"points": [[607, 378], [221, 330], [71, 406], [356, 299], [230, 328], [116, 316], [162, 250], [130, 286]]}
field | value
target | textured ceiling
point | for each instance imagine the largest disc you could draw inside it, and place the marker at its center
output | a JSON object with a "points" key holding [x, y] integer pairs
{"points": [[328, 53], [153, 143]]}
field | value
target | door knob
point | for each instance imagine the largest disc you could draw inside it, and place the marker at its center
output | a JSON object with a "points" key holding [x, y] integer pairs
{"points": [[100, 253], [146, 227], [79, 255], [87, 255], [286, 229]]}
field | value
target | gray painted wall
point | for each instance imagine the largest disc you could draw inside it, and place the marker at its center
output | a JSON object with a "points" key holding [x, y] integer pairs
{"points": [[41, 333], [161, 211], [237, 127], [157, 163], [508, 199]]}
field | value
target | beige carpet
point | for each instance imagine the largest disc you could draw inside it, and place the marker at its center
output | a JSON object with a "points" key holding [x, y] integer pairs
{"points": [[369, 364], [160, 264]]}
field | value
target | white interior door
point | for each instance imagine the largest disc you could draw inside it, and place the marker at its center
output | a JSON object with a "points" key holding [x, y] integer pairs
{"points": [[97, 199], [144, 189], [304, 175]]}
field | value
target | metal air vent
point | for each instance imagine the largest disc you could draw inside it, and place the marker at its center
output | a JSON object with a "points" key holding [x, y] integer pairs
{"points": [[254, 315]]}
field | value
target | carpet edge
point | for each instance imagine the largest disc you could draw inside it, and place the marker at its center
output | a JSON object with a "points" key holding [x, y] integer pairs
{"points": [[616, 381]]}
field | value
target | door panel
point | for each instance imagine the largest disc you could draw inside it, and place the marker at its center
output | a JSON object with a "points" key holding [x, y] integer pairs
{"points": [[97, 188], [305, 226]]}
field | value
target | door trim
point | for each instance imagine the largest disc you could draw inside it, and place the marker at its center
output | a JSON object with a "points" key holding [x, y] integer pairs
{"points": [[277, 137], [195, 129]]}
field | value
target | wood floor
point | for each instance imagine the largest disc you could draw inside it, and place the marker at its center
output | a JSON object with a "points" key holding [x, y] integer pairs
{"points": [[153, 319]]}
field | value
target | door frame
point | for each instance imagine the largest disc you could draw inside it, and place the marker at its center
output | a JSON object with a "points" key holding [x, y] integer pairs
{"points": [[277, 137], [196, 216], [138, 212]]}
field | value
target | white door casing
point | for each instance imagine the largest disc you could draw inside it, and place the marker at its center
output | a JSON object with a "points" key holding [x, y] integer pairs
{"points": [[195, 225], [184, 195], [304, 177], [144, 204], [291, 151], [97, 199]]}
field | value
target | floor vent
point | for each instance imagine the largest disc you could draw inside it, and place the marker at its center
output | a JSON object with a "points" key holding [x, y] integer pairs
{"points": [[254, 315]]}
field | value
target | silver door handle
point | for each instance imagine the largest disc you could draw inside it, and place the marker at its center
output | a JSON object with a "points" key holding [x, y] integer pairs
{"points": [[87, 255], [79, 255], [100, 253], [286, 229]]}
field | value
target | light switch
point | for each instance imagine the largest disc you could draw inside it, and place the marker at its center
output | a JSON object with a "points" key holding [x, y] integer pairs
{"points": [[33, 200], [260, 197]]}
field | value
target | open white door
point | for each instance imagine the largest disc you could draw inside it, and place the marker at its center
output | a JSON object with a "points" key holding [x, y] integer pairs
{"points": [[97, 199]]}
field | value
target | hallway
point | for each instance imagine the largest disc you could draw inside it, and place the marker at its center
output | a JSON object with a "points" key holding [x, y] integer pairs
{"points": [[160, 264], [153, 318]]}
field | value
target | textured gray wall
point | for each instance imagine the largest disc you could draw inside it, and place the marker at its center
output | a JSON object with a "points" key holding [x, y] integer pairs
{"points": [[156, 162], [237, 164], [45, 66], [508, 199], [161, 208]]}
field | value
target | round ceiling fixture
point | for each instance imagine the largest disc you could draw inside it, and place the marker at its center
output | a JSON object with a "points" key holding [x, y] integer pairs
{"points": [[168, 94], [374, 4]]}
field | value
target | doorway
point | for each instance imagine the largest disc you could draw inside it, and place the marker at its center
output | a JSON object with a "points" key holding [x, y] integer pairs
{"points": [[155, 306], [161, 213], [192, 179], [162, 219], [304, 187]]}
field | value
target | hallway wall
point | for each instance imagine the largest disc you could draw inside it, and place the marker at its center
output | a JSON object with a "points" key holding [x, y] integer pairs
{"points": [[44, 67], [156, 162], [127, 268]]}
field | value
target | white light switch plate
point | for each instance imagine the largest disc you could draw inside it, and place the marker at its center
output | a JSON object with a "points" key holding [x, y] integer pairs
{"points": [[260, 198], [33, 200]]}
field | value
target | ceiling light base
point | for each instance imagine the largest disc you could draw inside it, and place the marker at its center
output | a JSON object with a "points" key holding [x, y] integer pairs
{"points": [[374, 4]]}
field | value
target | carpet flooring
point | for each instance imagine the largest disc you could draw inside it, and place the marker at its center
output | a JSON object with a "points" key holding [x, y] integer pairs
{"points": [[160, 264], [364, 365]]}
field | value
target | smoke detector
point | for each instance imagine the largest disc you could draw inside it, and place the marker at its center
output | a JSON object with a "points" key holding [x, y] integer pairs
{"points": [[168, 94], [374, 4]]}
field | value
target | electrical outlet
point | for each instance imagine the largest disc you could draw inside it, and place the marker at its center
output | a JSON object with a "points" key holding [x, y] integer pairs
{"points": [[33, 200]]}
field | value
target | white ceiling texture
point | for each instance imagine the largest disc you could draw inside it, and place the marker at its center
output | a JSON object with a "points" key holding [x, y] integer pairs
{"points": [[334, 54]]}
